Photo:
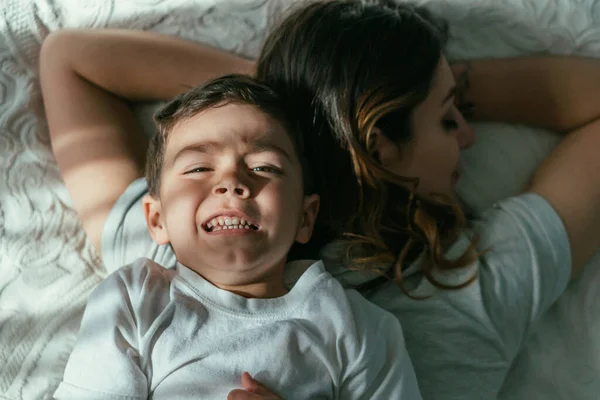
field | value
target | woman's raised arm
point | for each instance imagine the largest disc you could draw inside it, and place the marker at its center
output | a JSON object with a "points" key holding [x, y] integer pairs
{"points": [[87, 80], [141, 65], [558, 93]]}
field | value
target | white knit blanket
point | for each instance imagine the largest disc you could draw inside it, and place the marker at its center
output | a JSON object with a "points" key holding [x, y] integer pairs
{"points": [[47, 268]]}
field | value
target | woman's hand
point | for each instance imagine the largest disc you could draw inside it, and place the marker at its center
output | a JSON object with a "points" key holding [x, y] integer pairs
{"points": [[253, 390], [553, 92]]}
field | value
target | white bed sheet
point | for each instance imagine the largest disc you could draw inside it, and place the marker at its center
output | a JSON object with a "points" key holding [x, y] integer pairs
{"points": [[47, 268]]}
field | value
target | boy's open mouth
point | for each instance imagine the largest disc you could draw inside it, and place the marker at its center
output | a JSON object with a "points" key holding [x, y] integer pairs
{"points": [[228, 222]]}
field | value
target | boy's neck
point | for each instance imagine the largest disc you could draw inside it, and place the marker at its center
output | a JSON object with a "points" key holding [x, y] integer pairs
{"points": [[270, 285], [258, 290]]}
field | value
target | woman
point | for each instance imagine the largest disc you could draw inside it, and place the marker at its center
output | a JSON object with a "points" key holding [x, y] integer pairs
{"points": [[378, 102]]}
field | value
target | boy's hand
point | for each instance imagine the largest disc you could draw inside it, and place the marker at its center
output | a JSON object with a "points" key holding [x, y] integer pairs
{"points": [[253, 390]]}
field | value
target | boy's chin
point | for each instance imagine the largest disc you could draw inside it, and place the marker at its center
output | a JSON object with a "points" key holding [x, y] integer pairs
{"points": [[230, 258]]}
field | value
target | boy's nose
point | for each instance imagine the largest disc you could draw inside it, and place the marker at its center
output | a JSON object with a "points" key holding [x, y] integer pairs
{"points": [[231, 187]]}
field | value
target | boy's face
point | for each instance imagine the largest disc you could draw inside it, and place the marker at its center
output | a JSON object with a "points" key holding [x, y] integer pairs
{"points": [[231, 198]]}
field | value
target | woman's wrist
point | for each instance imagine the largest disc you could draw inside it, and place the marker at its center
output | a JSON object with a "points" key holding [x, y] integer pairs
{"points": [[462, 77], [552, 92]]}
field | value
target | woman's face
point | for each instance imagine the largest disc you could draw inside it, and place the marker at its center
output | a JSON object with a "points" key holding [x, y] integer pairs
{"points": [[439, 133]]}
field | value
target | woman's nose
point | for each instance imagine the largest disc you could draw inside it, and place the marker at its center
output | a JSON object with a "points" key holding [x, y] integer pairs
{"points": [[465, 134]]}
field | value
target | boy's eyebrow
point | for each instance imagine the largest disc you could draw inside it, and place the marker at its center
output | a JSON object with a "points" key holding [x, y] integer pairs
{"points": [[261, 145], [205, 147], [256, 146]]}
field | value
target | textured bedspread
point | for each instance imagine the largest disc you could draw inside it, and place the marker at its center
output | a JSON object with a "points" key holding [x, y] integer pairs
{"points": [[47, 268]]}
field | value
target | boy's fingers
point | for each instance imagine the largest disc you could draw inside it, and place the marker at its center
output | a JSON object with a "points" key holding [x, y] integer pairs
{"points": [[240, 394], [248, 382], [253, 386]]}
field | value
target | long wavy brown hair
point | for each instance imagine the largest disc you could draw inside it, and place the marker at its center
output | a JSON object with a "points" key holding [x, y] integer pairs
{"points": [[345, 67]]}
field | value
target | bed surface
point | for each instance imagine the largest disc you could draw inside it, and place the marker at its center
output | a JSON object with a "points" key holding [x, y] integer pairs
{"points": [[47, 268]]}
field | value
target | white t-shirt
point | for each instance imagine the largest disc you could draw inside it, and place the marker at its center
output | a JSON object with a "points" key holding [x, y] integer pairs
{"points": [[461, 342], [169, 334]]}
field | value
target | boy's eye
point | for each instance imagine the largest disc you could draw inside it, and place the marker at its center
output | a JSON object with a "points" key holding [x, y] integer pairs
{"points": [[267, 169], [197, 170], [449, 124]]}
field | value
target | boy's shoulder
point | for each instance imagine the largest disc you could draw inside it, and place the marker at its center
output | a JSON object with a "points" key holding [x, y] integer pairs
{"points": [[344, 307], [348, 321], [142, 279], [140, 270]]}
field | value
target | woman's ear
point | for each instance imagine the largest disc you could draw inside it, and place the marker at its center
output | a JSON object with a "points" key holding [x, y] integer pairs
{"points": [[153, 213], [373, 144], [309, 217], [382, 149]]}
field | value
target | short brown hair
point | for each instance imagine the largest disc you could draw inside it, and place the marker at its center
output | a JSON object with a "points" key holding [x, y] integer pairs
{"points": [[228, 89]]}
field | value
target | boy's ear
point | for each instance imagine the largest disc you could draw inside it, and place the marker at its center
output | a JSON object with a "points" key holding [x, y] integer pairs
{"points": [[153, 213], [309, 216]]}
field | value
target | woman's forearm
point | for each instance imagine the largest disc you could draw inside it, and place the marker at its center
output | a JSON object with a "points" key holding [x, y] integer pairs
{"points": [[139, 65], [557, 93]]}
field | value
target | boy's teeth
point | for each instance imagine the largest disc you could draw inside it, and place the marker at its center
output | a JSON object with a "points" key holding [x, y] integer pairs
{"points": [[228, 222], [219, 227]]}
